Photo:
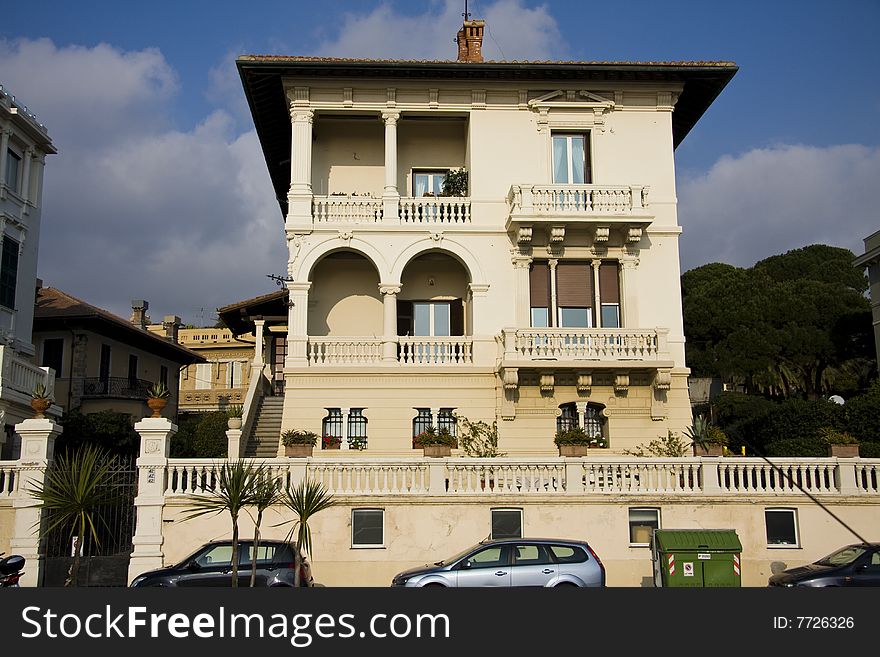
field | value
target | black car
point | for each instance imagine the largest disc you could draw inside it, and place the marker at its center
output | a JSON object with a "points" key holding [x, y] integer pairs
{"points": [[211, 565], [853, 565]]}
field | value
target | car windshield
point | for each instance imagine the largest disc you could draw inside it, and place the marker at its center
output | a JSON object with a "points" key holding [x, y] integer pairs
{"points": [[458, 556], [842, 557]]}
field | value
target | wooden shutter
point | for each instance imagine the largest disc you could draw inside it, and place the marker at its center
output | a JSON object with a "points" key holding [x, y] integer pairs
{"points": [[456, 317], [609, 282], [574, 285], [539, 285]]}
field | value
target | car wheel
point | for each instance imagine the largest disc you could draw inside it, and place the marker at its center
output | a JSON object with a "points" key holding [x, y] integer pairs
{"points": [[565, 585], [434, 585]]}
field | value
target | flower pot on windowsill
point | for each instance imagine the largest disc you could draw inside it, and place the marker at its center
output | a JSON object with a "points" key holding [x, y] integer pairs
{"points": [[573, 450], [298, 451], [847, 451], [331, 445], [436, 451]]}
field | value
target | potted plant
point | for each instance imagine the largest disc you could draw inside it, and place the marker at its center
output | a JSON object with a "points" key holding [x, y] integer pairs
{"points": [[357, 442], [331, 442], [455, 183], [435, 443], [707, 438], [298, 443], [40, 400], [840, 443], [233, 416], [157, 398], [574, 442]]}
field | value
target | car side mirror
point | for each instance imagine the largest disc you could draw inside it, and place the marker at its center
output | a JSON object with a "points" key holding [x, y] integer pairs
{"points": [[193, 566], [465, 564]]}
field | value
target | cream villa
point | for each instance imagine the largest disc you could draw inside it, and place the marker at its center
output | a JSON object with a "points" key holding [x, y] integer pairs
{"points": [[541, 291]]}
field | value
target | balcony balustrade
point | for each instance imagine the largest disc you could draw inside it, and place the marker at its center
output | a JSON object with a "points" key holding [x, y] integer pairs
{"points": [[346, 209], [576, 200], [21, 375], [435, 210], [338, 209], [409, 351], [570, 344]]}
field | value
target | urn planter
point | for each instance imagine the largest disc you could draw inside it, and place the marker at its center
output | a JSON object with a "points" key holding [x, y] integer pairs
{"points": [[156, 404], [40, 406]]}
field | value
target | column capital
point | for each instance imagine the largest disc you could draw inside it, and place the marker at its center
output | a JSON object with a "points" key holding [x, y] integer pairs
{"points": [[629, 262], [552, 262], [596, 263], [259, 322], [294, 286], [301, 115], [390, 117], [385, 289], [521, 261]]}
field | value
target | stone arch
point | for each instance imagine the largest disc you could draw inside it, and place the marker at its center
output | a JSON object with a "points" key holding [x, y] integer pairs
{"points": [[333, 244], [450, 247]]}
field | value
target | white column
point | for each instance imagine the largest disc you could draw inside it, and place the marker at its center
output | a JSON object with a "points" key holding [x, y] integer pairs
{"points": [[259, 344], [391, 195], [37, 451], [345, 412], [4, 145], [554, 319], [299, 198], [152, 466], [521, 265], [597, 300], [26, 174], [389, 324], [297, 324], [629, 313]]}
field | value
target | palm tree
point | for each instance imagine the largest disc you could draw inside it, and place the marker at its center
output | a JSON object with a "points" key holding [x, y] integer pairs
{"points": [[236, 483], [76, 484], [267, 491], [305, 499]]}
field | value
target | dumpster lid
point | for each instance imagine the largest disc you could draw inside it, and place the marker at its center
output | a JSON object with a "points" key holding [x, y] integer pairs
{"points": [[693, 540]]}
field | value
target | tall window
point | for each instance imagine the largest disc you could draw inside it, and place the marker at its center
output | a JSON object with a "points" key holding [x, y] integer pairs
{"points": [[203, 376], [575, 304], [8, 272], [593, 422], [53, 351], [422, 421], [609, 293], [357, 429], [446, 420], [163, 375], [13, 166], [132, 371], [574, 294], [568, 418], [104, 367], [571, 158], [539, 294], [332, 425], [430, 318], [234, 371]]}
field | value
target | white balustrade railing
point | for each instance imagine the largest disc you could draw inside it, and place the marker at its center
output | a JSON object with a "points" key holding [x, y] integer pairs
{"points": [[637, 475], [504, 476], [8, 478], [435, 210], [575, 343], [22, 375], [736, 477], [537, 200], [751, 475], [371, 477], [344, 351], [346, 209], [435, 351]]}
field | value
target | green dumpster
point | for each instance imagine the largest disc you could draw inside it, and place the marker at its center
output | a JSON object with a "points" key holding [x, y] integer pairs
{"points": [[696, 557]]}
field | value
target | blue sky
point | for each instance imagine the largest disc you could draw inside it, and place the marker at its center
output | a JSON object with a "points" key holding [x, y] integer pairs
{"points": [[160, 187]]}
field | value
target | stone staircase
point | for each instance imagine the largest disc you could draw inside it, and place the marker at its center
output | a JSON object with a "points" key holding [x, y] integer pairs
{"points": [[263, 441]]}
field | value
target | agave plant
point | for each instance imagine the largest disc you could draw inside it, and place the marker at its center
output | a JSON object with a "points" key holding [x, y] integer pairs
{"points": [[158, 391], [75, 486]]}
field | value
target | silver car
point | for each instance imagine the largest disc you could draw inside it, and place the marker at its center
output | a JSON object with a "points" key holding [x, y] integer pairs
{"points": [[512, 562]]}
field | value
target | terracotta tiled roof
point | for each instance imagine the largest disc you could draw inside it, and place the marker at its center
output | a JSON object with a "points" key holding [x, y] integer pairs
{"points": [[272, 296]]}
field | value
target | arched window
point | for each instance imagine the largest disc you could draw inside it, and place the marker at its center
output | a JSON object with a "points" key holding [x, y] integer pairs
{"points": [[592, 421]]}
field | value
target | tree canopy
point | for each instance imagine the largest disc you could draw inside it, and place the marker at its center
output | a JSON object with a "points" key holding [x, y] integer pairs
{"points": [[794, 325]]}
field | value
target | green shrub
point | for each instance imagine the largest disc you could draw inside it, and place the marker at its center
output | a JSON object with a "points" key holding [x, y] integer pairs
{"points": [[869, 450], [669, 445], [298, 437], [210, 435], [793, 447], [862, 414], [109, 430]]}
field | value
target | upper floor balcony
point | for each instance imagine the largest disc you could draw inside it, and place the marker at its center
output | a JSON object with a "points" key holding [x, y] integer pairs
{"points": [[20, 376], [425, 210]]}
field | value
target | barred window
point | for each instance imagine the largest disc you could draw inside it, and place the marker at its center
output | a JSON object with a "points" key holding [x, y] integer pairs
{"points": [[333, 423], [422, 421], [568, 419], [357, 429], [446, 420]]}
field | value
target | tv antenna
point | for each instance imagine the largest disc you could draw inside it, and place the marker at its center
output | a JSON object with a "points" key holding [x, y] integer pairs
{"points": [[466, 13]]}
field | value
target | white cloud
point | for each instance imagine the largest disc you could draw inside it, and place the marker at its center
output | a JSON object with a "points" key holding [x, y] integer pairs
{"points": [[768, 201], [133, 209], [513, 31]]}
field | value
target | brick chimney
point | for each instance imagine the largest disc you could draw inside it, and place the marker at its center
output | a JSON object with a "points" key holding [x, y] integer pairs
{"points": [[470, 41], [170, 324], [139, 317]]}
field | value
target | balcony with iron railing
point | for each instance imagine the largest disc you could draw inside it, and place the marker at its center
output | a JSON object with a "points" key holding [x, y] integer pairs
{"points": [[115, 387]]}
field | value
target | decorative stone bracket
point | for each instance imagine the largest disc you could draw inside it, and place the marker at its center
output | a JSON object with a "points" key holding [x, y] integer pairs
{"points": [[585, 383], [621, 383], [661, 385]]}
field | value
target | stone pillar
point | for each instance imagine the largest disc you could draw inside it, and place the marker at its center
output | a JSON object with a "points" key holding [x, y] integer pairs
{"points": [[297, 324], [37, 451], [25, 174], [845, 476], [233, 441], [436, 476], [574, 476], [554, 320], [299, 198], [597, 300], [152, 465], [521, 266], [629, 314], [391, 195], [709, 475], [259, 345], [389, 328]]}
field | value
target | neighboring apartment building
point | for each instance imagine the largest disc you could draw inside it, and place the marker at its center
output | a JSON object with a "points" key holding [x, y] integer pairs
{"points": [[103, 362], [24, 145], [546, 296], [870, 260]]}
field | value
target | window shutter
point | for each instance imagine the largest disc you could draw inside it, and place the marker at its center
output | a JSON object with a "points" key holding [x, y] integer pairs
{"points": [[456, 317], [539, 285], [609, 282], [574, 285]]}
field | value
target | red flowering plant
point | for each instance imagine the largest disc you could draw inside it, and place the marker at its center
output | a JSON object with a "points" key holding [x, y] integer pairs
{"points": [[329, 442]]}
